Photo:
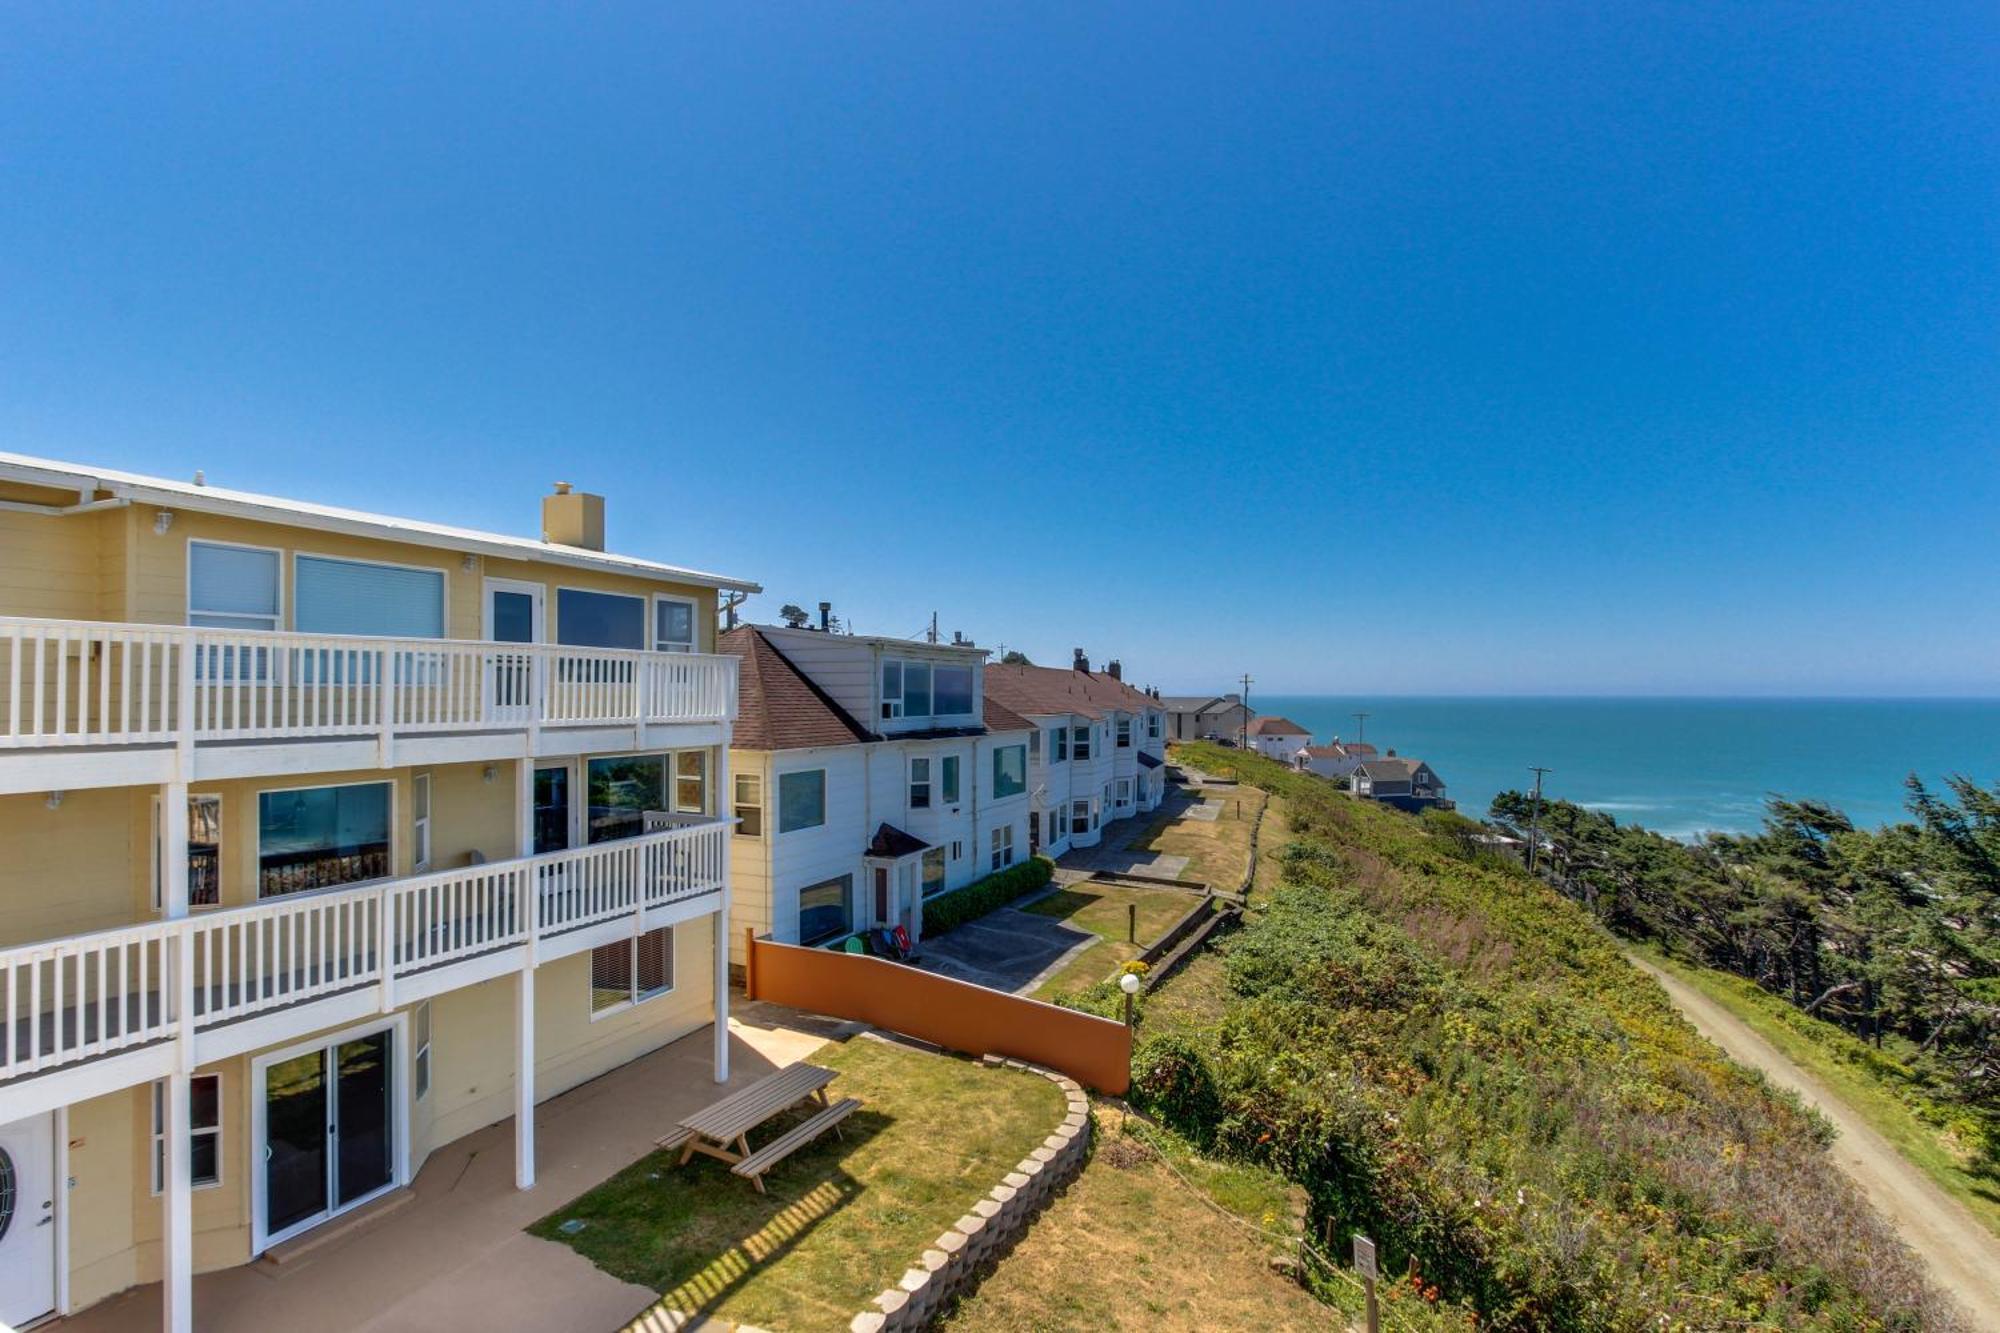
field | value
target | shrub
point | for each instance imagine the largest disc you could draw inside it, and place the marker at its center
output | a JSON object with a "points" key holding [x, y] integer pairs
{"points": [[948, 911]]}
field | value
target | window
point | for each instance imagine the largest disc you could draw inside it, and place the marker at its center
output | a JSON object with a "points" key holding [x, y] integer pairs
{"points": [[1003, 846], [232, 587], [801, 800], [1010, 771], [933, 871], [826, 909], [1124, 733], [317, 837], [892, 688], [957, 850], [600, 619], [673, 625], [948, 778], [920, 784], [620, 791], [420, 822], [1080, 742], [1124, 791], [422, 1041], [204, 852], [204, 1131], [1152, 726], [359, 597], [749, 806], [1059, 745], [1035, 743], [916, 689], [630, 971], [1055, 826], [954, 691], [1079, 816], [691, 782]]}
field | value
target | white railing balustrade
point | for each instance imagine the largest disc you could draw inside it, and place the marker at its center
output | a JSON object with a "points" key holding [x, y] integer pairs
{"points": [[93, 994], [90, 683]]}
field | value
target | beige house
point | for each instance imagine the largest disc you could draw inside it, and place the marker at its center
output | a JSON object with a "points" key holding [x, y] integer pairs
{"points": [[326, 838]]}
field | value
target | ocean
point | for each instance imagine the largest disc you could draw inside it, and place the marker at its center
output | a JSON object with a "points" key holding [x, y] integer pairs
{"points": [[1678, 766]]}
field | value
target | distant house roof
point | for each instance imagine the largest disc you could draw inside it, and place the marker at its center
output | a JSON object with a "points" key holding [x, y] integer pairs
{"points": [[778, 708], [1276, 726], [1198, 703], [1391, 770], [134, 486], [891, 842], [1032, 690], [1339, 750]]}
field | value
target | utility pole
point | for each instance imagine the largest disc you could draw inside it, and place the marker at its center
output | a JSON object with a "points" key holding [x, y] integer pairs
{"points": [[1535, 823], [1243, 726], [933, 627], [1360, 726]]}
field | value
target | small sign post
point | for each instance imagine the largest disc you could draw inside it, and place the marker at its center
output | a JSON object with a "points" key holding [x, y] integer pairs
{"points": [[1364, 1264]]}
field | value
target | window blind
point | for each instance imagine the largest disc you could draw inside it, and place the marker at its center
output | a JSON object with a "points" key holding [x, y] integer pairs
{"points": [[348, 597]]}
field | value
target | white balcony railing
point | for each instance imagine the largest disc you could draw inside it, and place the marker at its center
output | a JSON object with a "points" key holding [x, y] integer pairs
{"points": [[90, 995], [74, 682]]}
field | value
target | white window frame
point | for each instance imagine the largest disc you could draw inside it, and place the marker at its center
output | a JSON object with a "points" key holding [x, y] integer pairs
{"points": [[949, 785], [892, 704], [444, 583], [1079, 743], [420, 1057], [675, 778], [1003, 847], [257, 859], [738, 804], [1124, 791], [157, 1100], [157, 861], [1059, 743], [1124, 733], [420, 824], [920, 782], [647, 625], [1152, 726], [187, 577], [694, 623], [635, 997]]}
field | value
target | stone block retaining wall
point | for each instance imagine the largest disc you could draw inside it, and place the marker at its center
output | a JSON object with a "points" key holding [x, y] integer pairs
{"points": [[952, 1263]]}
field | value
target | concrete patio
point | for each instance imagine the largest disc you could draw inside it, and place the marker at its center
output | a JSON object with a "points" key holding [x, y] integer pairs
{"points": [[452, 1253]]}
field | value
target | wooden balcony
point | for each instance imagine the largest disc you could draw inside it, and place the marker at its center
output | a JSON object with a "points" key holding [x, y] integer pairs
{"points": [[96, 703], [111, 1006]]}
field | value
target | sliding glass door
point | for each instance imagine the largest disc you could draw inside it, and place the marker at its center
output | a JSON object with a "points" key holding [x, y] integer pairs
{"points": [[330, 1135]]}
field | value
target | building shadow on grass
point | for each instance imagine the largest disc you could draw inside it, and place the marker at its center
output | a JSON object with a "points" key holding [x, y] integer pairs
{"points": [[697, 1233]]}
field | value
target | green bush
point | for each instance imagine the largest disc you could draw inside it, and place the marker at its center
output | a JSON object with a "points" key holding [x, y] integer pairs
{"points": [[948, 911]]}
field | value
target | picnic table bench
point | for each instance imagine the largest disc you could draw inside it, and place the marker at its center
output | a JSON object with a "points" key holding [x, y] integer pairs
{"points": [[722, 1128]]}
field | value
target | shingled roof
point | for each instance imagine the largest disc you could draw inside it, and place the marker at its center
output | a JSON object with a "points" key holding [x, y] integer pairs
{"points": [[1031, 690], [778, 708], [1277, 726]]}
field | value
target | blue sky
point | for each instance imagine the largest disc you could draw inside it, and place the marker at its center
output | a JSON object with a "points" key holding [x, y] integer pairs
{"points": [[1489, 348]]}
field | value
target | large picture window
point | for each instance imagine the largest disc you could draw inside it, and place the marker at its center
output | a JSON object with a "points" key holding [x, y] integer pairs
{"points": [[630, 971], [954, 691], [586, 619], [1010, 771], [232, 587], [801, 800], [826, 910], [318, 837], [358, 597], [621, 791]]}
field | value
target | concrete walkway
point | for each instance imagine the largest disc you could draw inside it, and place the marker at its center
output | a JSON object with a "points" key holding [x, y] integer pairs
{"points": [[1007, 949], [455, 1256], [1115, 852]]}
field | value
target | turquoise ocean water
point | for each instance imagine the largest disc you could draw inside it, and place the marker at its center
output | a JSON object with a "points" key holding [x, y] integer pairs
{"points": [[1680, 766]]}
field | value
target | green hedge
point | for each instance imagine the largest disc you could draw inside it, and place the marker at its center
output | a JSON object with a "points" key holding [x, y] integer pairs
{"points": [[948, 911]]}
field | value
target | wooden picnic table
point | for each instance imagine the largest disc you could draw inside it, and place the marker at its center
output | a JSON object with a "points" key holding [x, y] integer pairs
{"points": [[722, 1128]]}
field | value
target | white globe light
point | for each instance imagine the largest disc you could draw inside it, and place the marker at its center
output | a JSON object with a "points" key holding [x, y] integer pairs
{"points": [[1129, 983]]}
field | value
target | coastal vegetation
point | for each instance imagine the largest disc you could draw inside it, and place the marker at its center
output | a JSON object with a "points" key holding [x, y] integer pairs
{"points": [[1453, 1058], [1891, 936]]}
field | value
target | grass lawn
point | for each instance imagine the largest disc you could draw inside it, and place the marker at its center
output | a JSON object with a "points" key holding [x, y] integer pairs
{"points": [[1217, 852], [1860, 1076], [1104, 910], [1129, 1246], [843, 1219]]}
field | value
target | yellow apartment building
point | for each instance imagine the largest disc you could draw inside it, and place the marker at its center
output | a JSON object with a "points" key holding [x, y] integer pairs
{"points": [[326, 838]]}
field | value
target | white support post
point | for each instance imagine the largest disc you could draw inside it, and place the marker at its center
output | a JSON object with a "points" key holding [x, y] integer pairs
{"points": [[184, 708], [385, 697], [174, 849], [725, 804], [524, 1078], [177, 1197]]}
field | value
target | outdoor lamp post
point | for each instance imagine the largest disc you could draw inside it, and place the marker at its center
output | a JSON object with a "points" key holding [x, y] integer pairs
{"points": [[1129, 983]]}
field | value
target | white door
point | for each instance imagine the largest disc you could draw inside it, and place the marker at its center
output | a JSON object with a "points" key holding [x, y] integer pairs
{"points": [[513, 615], [27, 1219]]}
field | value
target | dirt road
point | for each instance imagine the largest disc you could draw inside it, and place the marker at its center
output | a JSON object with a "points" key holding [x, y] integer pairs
{"points": [[1964, 1257]]}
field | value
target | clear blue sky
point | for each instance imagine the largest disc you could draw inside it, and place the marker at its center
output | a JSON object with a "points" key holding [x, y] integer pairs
{"points": [[1494, 348]]}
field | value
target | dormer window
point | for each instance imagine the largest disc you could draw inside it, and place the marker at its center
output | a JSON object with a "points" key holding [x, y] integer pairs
{"points": [[924, 689]]}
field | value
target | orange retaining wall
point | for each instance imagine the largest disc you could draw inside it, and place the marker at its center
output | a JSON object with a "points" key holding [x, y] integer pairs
{"points": [[957, 1015]]}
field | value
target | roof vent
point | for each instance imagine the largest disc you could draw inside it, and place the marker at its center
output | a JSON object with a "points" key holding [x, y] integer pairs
{"points": [[200, 477]]}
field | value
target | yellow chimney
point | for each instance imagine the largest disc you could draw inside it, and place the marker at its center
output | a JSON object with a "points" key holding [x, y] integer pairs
{"points": [[573, 518]]}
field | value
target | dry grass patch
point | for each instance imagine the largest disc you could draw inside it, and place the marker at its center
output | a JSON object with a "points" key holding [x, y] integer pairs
{"points": [[1130, 1246], [843, 1218], [1217, 851], [1105, 911]]}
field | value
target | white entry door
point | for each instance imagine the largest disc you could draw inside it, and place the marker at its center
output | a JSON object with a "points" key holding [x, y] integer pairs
{"points": [[27, 1219], [513, 615]]}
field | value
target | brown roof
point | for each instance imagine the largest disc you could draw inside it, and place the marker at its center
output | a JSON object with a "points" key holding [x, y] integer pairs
{"points": [[1034, 689], [777, 707], [1277, 726], [999, 717]]}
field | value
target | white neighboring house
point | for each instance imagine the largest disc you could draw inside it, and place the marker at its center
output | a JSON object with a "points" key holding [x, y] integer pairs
{"points": [[1336, 759], [1193, 717], [1277, 738], [1098, 752], [1407, 784], [845, 824]]}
